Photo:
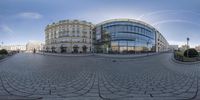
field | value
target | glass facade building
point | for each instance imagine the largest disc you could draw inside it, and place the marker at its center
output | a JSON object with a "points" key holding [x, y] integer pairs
{"points": [[124, 36]]}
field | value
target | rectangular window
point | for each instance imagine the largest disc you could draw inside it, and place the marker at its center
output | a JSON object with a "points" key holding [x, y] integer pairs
{"points": [[123, 43], [136, 29], [143, 32], [130, 43], [129, 28], [114, 43]]}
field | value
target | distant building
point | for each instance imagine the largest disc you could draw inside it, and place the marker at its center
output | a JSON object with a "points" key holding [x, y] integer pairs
{"points": [[162, 44], [14, 47], [37, 45], [184, 47], [197, 48], [173, 47]]}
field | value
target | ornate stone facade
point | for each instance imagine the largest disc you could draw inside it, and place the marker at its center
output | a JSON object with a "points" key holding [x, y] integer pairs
{"points": [[69, 36]]}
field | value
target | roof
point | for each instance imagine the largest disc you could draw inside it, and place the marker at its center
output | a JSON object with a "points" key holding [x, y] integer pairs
{"points": [[126, 19]]}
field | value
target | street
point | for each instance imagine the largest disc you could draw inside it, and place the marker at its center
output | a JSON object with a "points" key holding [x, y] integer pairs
{"points": [[155, 77]]}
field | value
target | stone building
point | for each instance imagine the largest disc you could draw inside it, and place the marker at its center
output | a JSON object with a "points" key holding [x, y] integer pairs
{"points": [[69, 36]]}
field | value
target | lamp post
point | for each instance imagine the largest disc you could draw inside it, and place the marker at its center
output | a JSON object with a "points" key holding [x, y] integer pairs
{"points": [[71, 44], [188, 39]]}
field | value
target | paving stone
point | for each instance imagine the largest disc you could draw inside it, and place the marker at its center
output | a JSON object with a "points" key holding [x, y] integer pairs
{"points": [[88, 77]]}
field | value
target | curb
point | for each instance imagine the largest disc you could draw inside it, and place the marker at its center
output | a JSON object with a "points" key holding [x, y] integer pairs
{"points": [[6, 58], [65, 55], [98, 55], [101, 55], [186, 63], [131, 57]]}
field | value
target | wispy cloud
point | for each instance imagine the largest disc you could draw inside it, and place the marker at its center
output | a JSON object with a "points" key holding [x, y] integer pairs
{"points": [[161, 12], [174, 20], [6, 33], [5, 29], [30, 15]]}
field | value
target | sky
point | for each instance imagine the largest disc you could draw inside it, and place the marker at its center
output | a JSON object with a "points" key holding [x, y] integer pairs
{"points": [[25, 20]]}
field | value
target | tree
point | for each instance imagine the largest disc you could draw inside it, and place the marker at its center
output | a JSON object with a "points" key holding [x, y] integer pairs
{"points": [[191, 53], [4, 51], [62, 49], [106, 40], [34, 50], [84, 49], [53, 49]]}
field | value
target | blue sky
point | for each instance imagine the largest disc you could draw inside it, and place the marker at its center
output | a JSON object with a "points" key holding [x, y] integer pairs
{"points": [[24, 20]]}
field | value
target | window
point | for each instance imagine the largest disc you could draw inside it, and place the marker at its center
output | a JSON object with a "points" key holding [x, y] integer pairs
{"points": [[123, 43], [136, 30], [129, 28], [139, 30], [114, 43], [143, 31]]}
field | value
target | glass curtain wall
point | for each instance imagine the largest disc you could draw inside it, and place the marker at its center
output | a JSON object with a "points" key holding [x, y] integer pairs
{"points": [[126, 37]]}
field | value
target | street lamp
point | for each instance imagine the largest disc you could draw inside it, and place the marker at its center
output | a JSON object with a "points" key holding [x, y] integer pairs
{"points": [[188, 39], [71, 43]]}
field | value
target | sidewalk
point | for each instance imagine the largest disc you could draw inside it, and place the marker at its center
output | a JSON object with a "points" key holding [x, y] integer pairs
{"points": [[12, 97], [5, 56], [186, 63], [2, 56], [65, 54], [128, 56]]}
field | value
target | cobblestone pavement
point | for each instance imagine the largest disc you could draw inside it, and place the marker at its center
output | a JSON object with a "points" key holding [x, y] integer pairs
{"points": [[157, 77]]}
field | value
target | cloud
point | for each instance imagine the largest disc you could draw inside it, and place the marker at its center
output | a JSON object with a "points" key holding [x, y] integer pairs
{"points": [[167, 12], [30, 15], [174, 20], [5, 29], [6, 33]]}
